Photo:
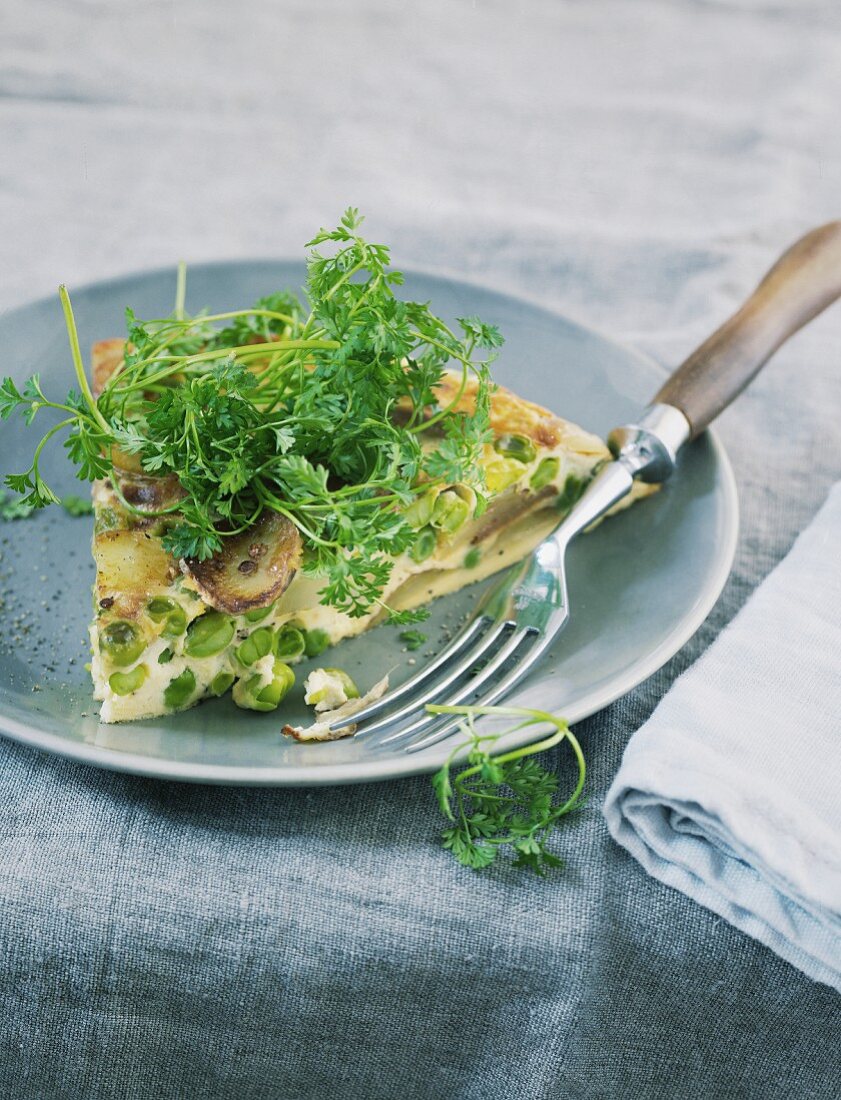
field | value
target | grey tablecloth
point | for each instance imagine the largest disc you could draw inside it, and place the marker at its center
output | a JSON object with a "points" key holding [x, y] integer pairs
{"points": [[636, 164]]}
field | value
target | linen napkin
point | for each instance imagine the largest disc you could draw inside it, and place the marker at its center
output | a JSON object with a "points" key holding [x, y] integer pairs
{"points": [[731, 792]]}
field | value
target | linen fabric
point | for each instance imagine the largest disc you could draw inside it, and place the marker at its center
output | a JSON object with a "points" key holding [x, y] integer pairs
{"points": [[731, 792], [636, 165]]}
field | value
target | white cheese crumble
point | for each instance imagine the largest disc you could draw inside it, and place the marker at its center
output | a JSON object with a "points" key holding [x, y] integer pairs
{"points": [[320, 730], [325, 689]]}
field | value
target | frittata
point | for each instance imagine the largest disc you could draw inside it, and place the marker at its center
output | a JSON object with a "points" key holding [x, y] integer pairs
{"points": [[168, 633]]}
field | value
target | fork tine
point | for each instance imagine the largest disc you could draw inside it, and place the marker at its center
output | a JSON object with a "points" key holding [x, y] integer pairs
{"points": [[467, 689], [447, 730], [417, 702], [447, 654], [498, 691]]}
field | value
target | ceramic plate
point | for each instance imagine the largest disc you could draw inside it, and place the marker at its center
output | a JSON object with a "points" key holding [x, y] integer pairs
{"points": [[640, 585]]}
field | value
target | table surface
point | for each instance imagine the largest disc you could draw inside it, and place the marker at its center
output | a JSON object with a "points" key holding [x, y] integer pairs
{"points": [[637, 166]]}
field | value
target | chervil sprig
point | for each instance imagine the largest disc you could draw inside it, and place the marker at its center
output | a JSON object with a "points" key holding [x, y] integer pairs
{"points": [[325, 412], [505, 801]]}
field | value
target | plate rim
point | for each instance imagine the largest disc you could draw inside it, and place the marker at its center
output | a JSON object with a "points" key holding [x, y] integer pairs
{"points": [[400, 765]]}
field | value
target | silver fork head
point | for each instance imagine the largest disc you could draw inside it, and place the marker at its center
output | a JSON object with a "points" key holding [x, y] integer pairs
{"points": [[517, 618], [516, 621], [522, 645]]}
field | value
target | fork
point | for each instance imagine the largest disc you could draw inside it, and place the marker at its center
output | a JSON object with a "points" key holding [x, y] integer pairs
{"points": [[518, 620]]}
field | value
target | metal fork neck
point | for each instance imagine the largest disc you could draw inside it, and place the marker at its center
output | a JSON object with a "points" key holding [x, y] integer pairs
{"points": [[611, 483], [648, 449]]}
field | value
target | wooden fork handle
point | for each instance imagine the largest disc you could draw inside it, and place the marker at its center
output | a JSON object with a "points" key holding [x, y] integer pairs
{"points": [[804, 281]]}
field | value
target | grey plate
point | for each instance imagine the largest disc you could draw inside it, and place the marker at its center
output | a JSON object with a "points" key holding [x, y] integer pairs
{"points": [[640, 585]]}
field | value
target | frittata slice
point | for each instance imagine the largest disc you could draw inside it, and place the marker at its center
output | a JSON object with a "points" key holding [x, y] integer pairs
{"points": [[168, 633]]}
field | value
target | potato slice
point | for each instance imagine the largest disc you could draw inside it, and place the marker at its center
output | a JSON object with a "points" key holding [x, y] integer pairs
{"points": [[151, 494], [253, 568], [130, 566]]}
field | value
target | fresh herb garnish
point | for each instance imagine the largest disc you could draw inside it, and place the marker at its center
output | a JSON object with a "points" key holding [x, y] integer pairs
{"points": [[502, 801], [13, 507], [413, 639], [76, 506], [316, 412]]}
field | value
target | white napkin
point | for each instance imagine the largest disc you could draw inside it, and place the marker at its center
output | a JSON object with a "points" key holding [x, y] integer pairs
{"points": [[731, 792]]}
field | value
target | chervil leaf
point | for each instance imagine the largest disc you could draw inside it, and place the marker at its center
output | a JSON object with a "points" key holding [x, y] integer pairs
{"points": [[506, 800], [13, 507], [185, 540], [485, 336], [407, 617], [36, 492], [76, 506], [10, 398], [467, 851]]}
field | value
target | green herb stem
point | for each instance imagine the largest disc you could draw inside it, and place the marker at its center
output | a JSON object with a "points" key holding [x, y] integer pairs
{"points": [[76, 355], [180, 291]]}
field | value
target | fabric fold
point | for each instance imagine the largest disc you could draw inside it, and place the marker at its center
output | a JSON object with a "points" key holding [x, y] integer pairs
{"points": [[731, 792]]}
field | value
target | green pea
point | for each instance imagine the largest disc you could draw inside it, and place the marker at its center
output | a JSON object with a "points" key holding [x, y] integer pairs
{"points": [[502, 472], [161, 609], [258, 614], [517, 447], [250, 695], [282, 680], [165, 656], [290, 643], [258, 644], [179, 690], [122, 641], [472, 558], [350, 688], [424, 545], [208, 634], [450, 512], [572, 490], [547, 471], [419, 512], [124, 683], [176, 624], [315, 642], [221, 682]]}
